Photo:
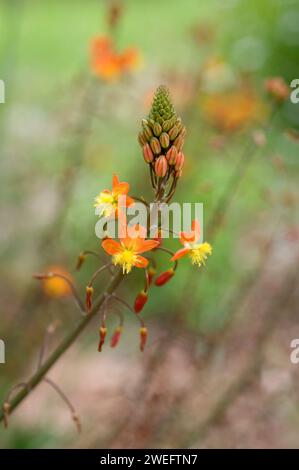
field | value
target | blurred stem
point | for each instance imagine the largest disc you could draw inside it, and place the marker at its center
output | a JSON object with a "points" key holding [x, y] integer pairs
{"points": [[63, 346]]}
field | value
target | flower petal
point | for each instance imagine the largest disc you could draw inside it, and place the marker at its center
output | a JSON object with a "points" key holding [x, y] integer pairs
{"points": [[140, 262], [111, 247], [180, 253], [145, 245]]}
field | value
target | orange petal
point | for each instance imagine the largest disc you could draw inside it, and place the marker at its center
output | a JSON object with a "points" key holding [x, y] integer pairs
{"points": [[129, 201], [115, 181], [180, 253], [140, 262], [111, 247], [146, 245]]}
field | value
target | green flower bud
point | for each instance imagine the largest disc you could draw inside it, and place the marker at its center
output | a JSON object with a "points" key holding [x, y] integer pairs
{"points": [[155, 145], [173, 132], [147, 132], [164, 140], [157, 128]]}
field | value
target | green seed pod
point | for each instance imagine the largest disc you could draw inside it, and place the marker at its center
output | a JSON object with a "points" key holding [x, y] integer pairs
{"points": [[173, 133], [147, 132], [164, 140], [157, 128], [155, 145]]}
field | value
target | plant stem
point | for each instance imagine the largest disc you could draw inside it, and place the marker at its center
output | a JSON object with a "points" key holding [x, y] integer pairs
{"points": [[63, 346]]}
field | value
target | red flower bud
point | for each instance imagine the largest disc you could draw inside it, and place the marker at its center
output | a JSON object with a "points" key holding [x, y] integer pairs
{"points": [[161, 166], [171, 155], [143, 338], [116, 337], [89, 293], [103, 332], [140, 301], [147, 153], [164, 277], [179, 161]]}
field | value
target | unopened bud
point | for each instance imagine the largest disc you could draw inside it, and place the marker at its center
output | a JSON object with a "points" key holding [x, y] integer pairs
{"points": [[179, 142], [167, 125], [80, 261], [157, 128], [103, 333], [147, 153], [116, 337], [173, 132], [179, 161], [178, 174], [147, 132], [164, 277], [143, 338], [164, 140], [161, 166], [171, 155], [142, 139], [89, 294], [155, 145], [140, 301]]}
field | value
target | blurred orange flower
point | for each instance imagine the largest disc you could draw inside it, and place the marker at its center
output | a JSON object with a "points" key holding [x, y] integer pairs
{"points": [[277, 88], [57, 286], [232, 110], [109, 64]]}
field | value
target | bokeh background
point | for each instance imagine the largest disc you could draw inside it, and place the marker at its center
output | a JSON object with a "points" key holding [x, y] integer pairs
{"points": [[216, 371]]}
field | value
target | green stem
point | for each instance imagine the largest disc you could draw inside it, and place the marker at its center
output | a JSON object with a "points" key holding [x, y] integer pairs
{"points": [[63, 346]]}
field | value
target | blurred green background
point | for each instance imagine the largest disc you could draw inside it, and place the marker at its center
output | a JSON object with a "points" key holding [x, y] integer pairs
{"points": [[64, 132]]}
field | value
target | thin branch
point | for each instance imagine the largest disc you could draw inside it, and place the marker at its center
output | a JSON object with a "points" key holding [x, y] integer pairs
{"points": [[62, 347], [62, 395]]}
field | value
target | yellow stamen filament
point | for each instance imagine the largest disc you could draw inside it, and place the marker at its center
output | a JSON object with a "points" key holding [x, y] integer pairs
{"points": [[126, 259], [199, 253]]}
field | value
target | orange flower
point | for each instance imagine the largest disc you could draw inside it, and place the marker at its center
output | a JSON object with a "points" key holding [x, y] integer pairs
{"points": [[127, 252], [55, 286], [197, 251], [277, 88], [231, 111], [107, 63], [107, 201]]}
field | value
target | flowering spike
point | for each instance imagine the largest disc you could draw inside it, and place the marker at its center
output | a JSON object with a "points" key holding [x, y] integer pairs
{"points": [[103, 333], [143, 337], [89, 294], [164, 277], [116, 337], [140, 301]]}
